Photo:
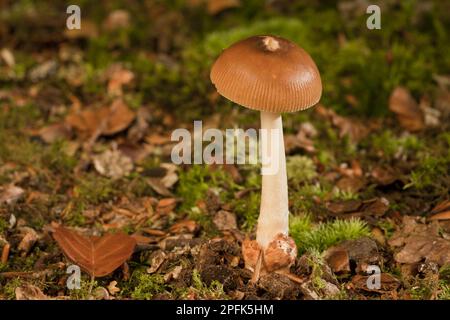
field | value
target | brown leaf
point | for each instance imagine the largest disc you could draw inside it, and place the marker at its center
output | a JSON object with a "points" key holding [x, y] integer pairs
{"points": [[225, 220], [383, 176], [420, 241], [407, 110], [217, 6], [102, 121], [97, 256], [10, 194], [117, 19], [338, 260], [445, 215], [387, 281], [118, 78], [350, 184], [183, 226], [54, 132], [29, 292]]}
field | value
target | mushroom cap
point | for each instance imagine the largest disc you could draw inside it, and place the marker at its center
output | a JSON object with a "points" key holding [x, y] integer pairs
{"points": [[267, 73]]}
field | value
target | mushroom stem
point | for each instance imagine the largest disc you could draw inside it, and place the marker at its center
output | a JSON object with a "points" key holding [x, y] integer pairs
{"points": [[274, 210]]}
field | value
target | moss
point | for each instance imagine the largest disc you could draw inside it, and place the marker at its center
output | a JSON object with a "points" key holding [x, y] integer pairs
{"points": [[324, 235], [247, 210], [9, 290], [430, 172], [3, 225], [203, 291], [147, 285], [87, 286], [390, 145], [94, 189], [300, 169]]}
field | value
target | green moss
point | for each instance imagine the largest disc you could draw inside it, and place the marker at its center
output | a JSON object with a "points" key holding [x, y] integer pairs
{"points": [[429, 173], [390, 145], [247, 210], [300, 169], [324, 235], [9, 289], [147, 285], [87, 286], [3, 225], [95, 189], [203, 291]]}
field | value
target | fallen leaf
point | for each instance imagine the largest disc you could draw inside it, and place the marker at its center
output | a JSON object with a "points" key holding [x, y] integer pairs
{"points": [[102, 121], [338, 260], [29, 292], [350, 184], [383, 176], [420, 241], [88, 30], [173, 274], [113, 164], [112, 288], [10, 194], [407, 110], [156, 260], [98, 256], [217, 6], [388, 283], [29, 238], [183, 226], [8, 57], [225, 220], [54, 132], [117, 19], [118, 77], [43, 70]]}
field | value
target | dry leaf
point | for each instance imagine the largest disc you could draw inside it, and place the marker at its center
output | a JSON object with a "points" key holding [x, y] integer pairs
{"points": [[420, 241], [338, 260], [113, 164], [388, 283], [10, 194], [407, 110], [29, 238], [183, 226], [225, 220], [117, 19], [217, 6], [102, 121], [97, 256], [112, 288], [55, 132], [118, 78], [29, 292], [88, 30], [441, 211]]}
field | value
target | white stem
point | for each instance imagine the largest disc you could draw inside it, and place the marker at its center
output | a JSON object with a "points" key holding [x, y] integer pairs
{"points": [[274, 210]]}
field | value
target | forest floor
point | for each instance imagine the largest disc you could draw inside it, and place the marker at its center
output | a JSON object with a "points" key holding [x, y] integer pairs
{"points": [[86, 118]]}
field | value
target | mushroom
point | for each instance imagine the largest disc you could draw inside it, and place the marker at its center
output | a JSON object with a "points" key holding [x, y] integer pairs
{"points": [[272, 75]]}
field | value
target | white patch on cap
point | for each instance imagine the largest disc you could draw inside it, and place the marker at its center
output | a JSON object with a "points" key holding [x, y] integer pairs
{"points": [[271, 43]]}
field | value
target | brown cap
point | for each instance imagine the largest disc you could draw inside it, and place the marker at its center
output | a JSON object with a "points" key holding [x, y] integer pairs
{"points": [[267, 73]]}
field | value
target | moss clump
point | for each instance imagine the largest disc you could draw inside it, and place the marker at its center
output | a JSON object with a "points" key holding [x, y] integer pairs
{"points": [[324, 235], [391, 145], [247, 210], [147, 285], [9, 290], [300, 169], [94, 189], [3, 225], [203, 291]]}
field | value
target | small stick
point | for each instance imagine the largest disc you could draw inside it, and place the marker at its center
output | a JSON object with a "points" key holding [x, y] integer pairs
{"points": [[5, 253], [91, 285], [257, 271]]}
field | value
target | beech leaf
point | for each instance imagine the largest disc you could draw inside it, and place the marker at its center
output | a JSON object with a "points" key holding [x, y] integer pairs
{"points": [[98, 256]]}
